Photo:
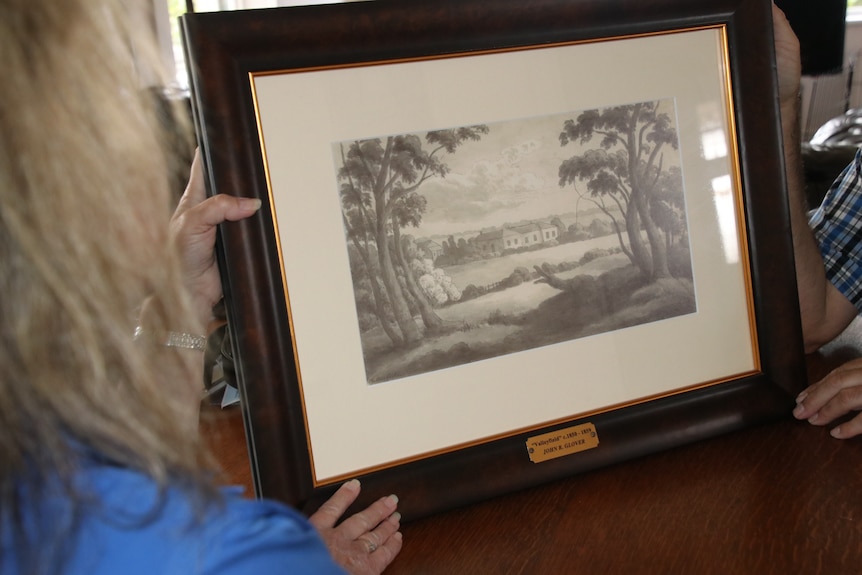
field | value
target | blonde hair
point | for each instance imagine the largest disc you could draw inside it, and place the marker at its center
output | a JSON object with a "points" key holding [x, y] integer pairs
{"points": [[84, 240]]}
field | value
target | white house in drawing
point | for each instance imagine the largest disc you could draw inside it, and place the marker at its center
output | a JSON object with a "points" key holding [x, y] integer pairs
{"points": [[515, 237]]}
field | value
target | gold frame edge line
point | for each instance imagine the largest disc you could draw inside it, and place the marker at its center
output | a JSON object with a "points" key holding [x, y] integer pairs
{"points": [[271, 197]]}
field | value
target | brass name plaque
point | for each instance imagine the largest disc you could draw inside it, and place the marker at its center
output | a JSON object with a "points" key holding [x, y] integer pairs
{"points": [[562, 442]]}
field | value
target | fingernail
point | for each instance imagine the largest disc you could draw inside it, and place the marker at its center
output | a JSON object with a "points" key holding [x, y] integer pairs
{"points": [[250, 203], [353, 484], [837, 433], [798, 411], [394, 498], [801, 397], [396, 517], [814, 418]]}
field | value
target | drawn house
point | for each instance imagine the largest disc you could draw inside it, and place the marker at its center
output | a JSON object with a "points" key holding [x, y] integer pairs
{"points": [[549, 231], [514, 237], [536, 233], [495, 241], [430, 248]]}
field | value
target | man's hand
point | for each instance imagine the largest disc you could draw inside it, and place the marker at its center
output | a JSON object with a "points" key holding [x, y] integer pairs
{"points": [[787, 58], [832, 397]]}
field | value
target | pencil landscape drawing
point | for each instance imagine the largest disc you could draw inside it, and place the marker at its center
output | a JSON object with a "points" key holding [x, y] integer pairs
{"points": [[473, 242]]}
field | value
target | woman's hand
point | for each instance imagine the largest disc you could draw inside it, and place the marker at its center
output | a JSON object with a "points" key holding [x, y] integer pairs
{"points": [[832, 397], [193, 228], [365, 543]]}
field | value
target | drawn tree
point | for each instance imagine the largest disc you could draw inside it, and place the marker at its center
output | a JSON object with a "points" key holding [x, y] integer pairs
{"points": [[668, 207], [379, 183], [358, 223], [623, 175], [408, 212]]}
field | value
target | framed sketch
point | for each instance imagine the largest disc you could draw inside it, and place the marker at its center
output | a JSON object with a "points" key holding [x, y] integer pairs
{"points": [[502, 241]]}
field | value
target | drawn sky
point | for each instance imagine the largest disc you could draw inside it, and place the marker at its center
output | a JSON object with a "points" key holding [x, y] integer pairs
{"points": [[511, 174]]}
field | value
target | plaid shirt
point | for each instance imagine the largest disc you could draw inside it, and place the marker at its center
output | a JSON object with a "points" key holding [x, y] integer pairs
{"points": [[837, 225]]}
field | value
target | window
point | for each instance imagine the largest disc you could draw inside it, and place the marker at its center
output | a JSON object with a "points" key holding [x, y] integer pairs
{"points": [[168, 30]]}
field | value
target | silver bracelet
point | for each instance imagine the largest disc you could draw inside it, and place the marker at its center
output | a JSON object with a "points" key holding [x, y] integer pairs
{"points": [[173, 339]]}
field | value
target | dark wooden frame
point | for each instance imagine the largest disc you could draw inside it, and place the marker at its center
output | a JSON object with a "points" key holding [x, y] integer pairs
{"points": [[223, 48]]}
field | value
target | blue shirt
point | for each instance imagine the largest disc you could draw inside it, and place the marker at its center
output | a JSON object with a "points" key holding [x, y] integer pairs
{"points": [[127, 532], [837, 226]]}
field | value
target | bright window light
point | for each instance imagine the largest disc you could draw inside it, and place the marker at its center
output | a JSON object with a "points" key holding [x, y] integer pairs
{"points": [[176, 8]]}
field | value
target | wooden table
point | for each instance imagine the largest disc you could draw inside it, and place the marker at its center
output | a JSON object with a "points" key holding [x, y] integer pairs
{"points": [[778, 498]]}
